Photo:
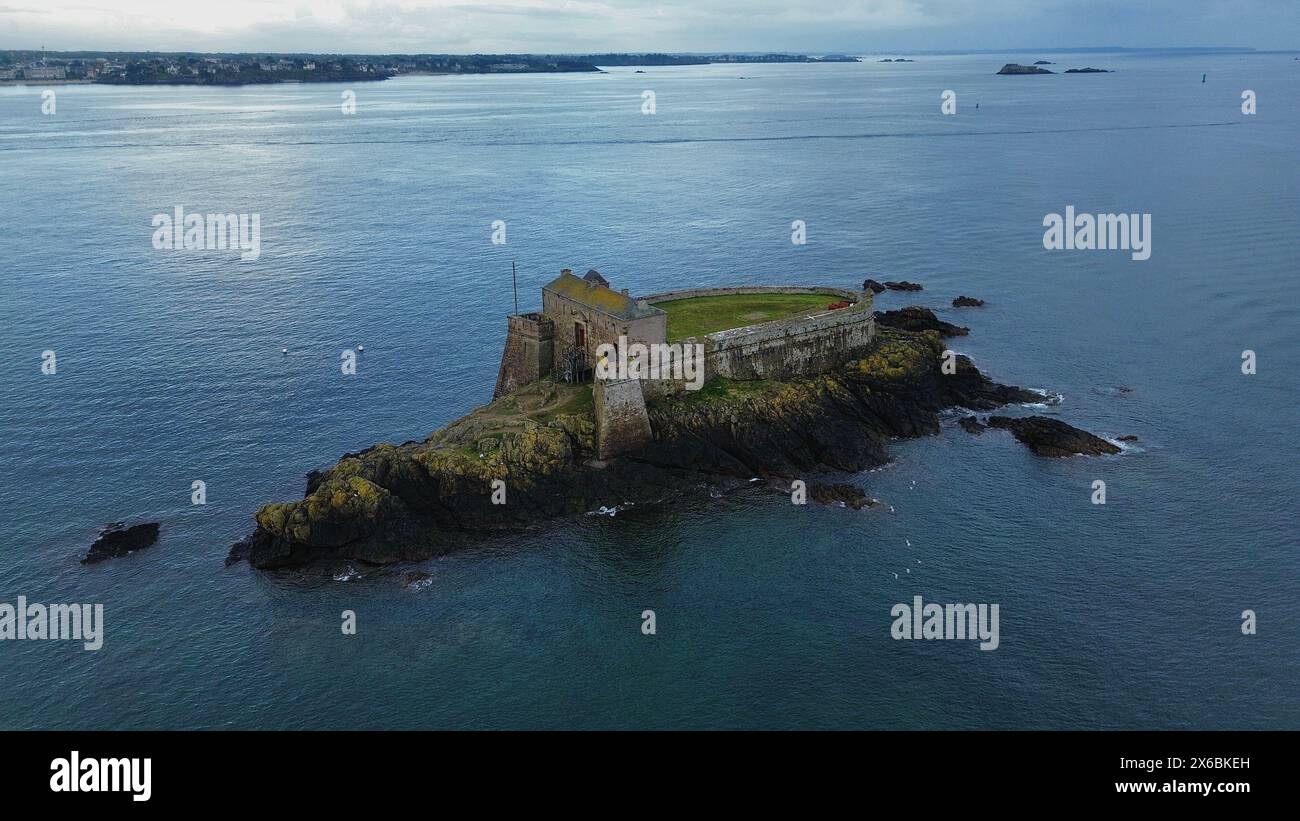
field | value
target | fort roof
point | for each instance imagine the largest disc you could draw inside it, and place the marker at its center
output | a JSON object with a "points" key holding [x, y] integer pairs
{"points": [[599, 297]]}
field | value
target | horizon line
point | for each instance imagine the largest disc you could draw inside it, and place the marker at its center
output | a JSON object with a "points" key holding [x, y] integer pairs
{"points": [[788, 52]]}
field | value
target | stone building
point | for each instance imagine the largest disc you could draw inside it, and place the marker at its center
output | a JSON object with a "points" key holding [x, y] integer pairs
{"points": [[587, 313], [578, 315]]}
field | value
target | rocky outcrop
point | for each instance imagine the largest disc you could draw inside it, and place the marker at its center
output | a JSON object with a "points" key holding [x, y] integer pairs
{"points": [[967, 302], [1052, 437], [1087, 71], [118, 540], [917, 319], [1016, 68], [890, 285], [409, 502]]}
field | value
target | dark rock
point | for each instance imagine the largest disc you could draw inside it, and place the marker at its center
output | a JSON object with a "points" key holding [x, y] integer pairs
{"points": [[1016, 68], [1044, 63], [967, 302], [972, 424], [1052, 437], [903, 285], [314, 478], [840, 493], [1128, 437], [254, 544], [916, 319], [1087, 71], [118, 540], [873, 286]]}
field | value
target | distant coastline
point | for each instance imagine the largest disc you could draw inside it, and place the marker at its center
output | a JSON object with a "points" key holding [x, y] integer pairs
{"points": [[227, 69]]}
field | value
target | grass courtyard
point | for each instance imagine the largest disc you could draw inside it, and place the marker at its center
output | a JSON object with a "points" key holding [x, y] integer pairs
{"points": [[699, 315]]}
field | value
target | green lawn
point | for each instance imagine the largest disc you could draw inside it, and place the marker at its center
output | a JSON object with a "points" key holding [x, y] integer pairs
{"points": [[699, 315]]}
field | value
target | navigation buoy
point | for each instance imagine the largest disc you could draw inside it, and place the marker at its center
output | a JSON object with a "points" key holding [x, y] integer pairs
{"points": [[360, 348]]}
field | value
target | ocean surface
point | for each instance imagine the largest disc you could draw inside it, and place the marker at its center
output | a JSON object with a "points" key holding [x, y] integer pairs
{"points": [[375, 231]]}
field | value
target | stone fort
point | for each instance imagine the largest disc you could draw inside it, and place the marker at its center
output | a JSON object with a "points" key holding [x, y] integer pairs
{"points": [[826, 328]]}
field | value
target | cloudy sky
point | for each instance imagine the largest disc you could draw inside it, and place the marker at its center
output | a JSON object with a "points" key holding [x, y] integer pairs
{"points": [[641, 25]]}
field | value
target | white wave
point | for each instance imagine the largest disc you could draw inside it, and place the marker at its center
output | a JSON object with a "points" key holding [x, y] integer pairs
{"points": [[609, 511], [1050, 398]]}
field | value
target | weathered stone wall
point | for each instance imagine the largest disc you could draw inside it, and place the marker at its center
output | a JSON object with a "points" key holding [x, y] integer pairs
{"points": [[787, 348], [622, 424], [783, 348], [528, 352]]}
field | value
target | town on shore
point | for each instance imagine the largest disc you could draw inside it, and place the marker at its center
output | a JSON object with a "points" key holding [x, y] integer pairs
{"points": [[191, 68]]}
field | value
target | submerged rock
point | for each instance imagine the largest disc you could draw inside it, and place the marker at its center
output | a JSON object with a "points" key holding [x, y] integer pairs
{"points": [[917, 319], [967, 302], [416, 580], [118, 540], [395, 503], [1052, 437], [972, 424]]}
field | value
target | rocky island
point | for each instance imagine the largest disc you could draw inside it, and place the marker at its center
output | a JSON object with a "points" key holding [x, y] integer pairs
{"points": [[1016, 68], [546, 448]]}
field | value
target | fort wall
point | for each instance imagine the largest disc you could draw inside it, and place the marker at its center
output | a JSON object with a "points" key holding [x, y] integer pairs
{"points": [[812, 342], [622, 424], [839, 293], [802, 345], [528, 353]]}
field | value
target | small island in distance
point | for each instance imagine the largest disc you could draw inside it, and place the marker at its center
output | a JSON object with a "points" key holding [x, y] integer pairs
{"points": [[229, 69], [1037, 68]]}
